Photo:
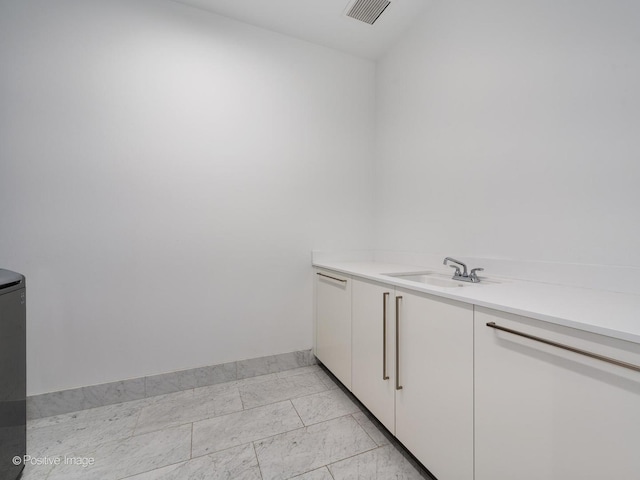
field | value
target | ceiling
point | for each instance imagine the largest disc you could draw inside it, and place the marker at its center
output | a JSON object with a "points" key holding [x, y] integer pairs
{"points": [[321, 21]]}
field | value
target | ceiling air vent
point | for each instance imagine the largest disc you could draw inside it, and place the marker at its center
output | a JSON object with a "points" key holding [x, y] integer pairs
{"points": [[367, 11]]}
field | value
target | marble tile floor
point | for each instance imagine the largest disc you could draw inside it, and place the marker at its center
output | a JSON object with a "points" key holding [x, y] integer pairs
{"points": [[295, 424]]}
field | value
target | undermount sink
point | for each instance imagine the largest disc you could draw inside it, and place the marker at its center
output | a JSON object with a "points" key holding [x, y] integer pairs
{"points": [[429, 278], [436, 279]]}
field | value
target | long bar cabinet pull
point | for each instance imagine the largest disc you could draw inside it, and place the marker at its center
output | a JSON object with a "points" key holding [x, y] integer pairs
{"points": [[385, 296], [613, 361], [332, 278], [398, 386]]}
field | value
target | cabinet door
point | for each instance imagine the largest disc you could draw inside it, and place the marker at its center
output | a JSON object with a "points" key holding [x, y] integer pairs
{"points": [[373, 352], [542, 412], [434, 408], [333, 324]]}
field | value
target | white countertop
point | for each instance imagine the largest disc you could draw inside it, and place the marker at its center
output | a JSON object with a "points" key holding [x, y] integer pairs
{"points": [[612, 314]]}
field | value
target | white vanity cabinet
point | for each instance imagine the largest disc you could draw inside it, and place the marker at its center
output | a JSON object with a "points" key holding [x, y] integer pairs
{"points": [[542, 412], [481, 394], [419, 384], [434, 406], [373, 349], [333, 323]]}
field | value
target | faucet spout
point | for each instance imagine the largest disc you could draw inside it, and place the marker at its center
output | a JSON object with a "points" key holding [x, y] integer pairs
{"points": [[457, 262]]}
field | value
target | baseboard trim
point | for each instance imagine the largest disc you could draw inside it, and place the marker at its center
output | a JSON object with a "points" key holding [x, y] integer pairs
{"points": [[84, 398]]}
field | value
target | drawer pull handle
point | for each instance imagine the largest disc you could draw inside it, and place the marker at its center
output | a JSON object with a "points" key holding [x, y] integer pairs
{"points": [[385, 296], [398, 386], [332, 278], [619, 363]]}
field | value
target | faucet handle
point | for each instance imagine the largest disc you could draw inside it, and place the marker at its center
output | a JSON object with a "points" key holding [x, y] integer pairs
{"points": [[473, 275], [458, 273]]}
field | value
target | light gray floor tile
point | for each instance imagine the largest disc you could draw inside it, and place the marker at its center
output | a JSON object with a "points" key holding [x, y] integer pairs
{"points": [[66, 433], [323, 406], [326, 379], [378, 436], [228, 431], [110, 412], [280, 389], [35, 472], [152, 438], [82, 398], [176, 397], [382, 463], [212, 389], [221, 400], [299, 371], [319, 474], [247, 382], [289, 454], [198, 406], [238, 463], [258, 379], [164, 398], [130, 456], [283, 374]]}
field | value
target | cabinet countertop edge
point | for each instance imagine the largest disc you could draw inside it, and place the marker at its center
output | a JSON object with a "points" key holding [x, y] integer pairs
{"points": [[612, 314]]}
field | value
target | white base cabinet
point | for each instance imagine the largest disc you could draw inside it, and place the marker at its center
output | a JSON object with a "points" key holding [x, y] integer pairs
{"points": [[373, 350], [473, 402], [432, 414], [434, 408], [542, 412], [333, 323]]}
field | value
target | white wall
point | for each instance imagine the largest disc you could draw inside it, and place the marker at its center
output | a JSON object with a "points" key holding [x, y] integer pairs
{"points": [[512, 129], [164, 175], [165, 172]]}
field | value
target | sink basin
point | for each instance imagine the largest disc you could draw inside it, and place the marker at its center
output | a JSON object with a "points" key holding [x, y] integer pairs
{"points": [[429, 278], [436, 279]]}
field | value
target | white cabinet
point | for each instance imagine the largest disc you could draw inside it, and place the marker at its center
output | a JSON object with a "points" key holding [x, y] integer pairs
{"points": [[333, 323], [432, 412], [542, 412], [373, 353], [473, 402], [434, 407]]}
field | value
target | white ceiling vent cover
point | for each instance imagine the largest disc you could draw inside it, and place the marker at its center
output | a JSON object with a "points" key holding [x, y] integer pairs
{"points": [[368, 11]]}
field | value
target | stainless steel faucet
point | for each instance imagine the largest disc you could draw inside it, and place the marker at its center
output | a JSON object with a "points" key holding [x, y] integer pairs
{"points": [[458, 262], [464, 276]]}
